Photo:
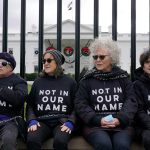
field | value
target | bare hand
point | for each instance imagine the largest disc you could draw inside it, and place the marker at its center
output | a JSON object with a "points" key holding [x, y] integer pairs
{"points": [[107, 124], [116, 122], [65, 129]]}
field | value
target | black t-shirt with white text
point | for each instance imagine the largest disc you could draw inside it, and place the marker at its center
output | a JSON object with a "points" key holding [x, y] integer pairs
{"points": [[52, 96]]}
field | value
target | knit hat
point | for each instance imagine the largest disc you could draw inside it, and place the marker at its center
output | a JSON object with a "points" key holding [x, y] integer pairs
{"points": [[8, 57], [59, 58]]}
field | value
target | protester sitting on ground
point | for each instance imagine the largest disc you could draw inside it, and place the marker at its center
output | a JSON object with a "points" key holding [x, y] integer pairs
{"points": [[13, 90], [51, 105], [142, 89], [105, 100]]}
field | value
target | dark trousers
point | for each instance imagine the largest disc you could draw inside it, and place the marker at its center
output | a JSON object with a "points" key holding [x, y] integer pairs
{"points": [[146, 139], [109, 140], [8, 136], [36, 138]]}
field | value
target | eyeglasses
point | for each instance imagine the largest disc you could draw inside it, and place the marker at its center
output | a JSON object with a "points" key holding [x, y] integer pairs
{"points": [[101, 57], [47, 60], [5, 63]]}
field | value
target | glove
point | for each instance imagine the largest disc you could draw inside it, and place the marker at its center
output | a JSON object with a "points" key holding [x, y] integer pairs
{"points": [[32, 122], [70, 125]]}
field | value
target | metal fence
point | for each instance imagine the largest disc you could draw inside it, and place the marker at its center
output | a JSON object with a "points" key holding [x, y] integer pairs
{"points": [[59, 31]]}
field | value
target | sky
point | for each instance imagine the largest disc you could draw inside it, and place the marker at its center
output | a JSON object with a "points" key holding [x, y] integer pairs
{"points": [[105, 14]]}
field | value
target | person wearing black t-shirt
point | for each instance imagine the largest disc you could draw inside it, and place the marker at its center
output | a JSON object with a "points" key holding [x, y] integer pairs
{"points": [[105, 100], [13, 91], [51, 105]]}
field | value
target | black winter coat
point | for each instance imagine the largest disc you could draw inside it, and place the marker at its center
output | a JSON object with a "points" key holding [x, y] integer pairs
{"points": [[52, 99], [13, 92], [101, 94], [142, 89]]}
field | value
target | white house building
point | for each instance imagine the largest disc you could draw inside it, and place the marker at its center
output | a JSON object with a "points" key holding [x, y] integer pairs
{"points": [[68, 41]]}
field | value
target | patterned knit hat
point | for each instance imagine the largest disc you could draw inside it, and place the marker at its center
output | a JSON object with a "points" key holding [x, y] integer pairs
{"points": [[59, 58], [8, 57]]}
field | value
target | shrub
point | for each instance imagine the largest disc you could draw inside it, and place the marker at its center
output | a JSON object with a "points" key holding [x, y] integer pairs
{"points": [[31, 76]]}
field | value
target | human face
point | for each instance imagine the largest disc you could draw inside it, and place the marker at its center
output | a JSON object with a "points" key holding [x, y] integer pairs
{"points": [[49, 64], [146, 66], [102, 60], [5, 68]]}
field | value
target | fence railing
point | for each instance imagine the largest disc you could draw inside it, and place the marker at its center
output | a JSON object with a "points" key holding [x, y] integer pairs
{"points": [[59, 31]]}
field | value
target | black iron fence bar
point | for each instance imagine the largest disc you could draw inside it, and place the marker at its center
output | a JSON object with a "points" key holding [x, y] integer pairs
{"points": [[77, 40], [5, 25], [133, 38], [149, 24], [22, 38], [41, 22], [96, 18], [114, 20], [77, 31], [59, 24]]}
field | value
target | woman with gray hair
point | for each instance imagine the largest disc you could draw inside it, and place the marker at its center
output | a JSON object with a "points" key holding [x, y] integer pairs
{"points": [[50, 109], [105, 100]]}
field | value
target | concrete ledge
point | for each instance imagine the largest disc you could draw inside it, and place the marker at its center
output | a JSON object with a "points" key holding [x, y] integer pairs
{"points": [[76, 143]]}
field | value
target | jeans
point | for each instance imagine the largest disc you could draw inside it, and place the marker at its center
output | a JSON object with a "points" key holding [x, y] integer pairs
{"points": [[110, 140], [36, 138], [8, 136]]}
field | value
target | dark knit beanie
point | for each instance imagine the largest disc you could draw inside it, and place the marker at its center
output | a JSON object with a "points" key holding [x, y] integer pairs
{"points": [[59, 58], [8, 57]]}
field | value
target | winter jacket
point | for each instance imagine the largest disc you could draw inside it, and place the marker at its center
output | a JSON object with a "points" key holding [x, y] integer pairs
{"points": [[101, 94], [52, 99], [13, 91], [142, 89]]}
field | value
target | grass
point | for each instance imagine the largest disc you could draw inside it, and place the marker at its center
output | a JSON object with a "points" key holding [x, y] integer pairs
{"points": [[29, 88]]}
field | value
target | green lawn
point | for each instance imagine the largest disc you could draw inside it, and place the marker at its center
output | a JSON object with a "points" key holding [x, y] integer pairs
{"points": [[29, 88]]}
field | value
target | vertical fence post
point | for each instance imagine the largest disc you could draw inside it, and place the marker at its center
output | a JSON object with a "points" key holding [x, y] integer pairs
{"points": [[22, 38], [114, 20], [96, 18], [133, 38], [149, 24], [5, 25], [77, 40], [41, 22], [59, 24]]}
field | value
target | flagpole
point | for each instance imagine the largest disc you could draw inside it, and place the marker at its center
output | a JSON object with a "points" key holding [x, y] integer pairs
{"points": [[70, 8]]}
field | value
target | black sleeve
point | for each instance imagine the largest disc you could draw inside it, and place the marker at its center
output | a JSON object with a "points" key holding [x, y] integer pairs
{"points": [[141, 117], [30, 104], [72, 117], [82, 107], [130, 106], [16, 96]]}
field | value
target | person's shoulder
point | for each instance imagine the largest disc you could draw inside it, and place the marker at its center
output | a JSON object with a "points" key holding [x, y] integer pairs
{"points": [[18, 78], [38, 79], [86, 82], [68, 78], [137, 83]]}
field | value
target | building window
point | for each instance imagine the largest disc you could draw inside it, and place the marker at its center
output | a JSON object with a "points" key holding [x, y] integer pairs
{"points": [[10, 51], [36, 52]]}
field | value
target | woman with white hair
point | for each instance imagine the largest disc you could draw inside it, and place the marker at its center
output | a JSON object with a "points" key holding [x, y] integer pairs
{"points": [[105, 100]]}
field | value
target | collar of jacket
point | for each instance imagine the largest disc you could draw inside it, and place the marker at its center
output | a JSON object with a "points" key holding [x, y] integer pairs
{"points": [[116, 73]]}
